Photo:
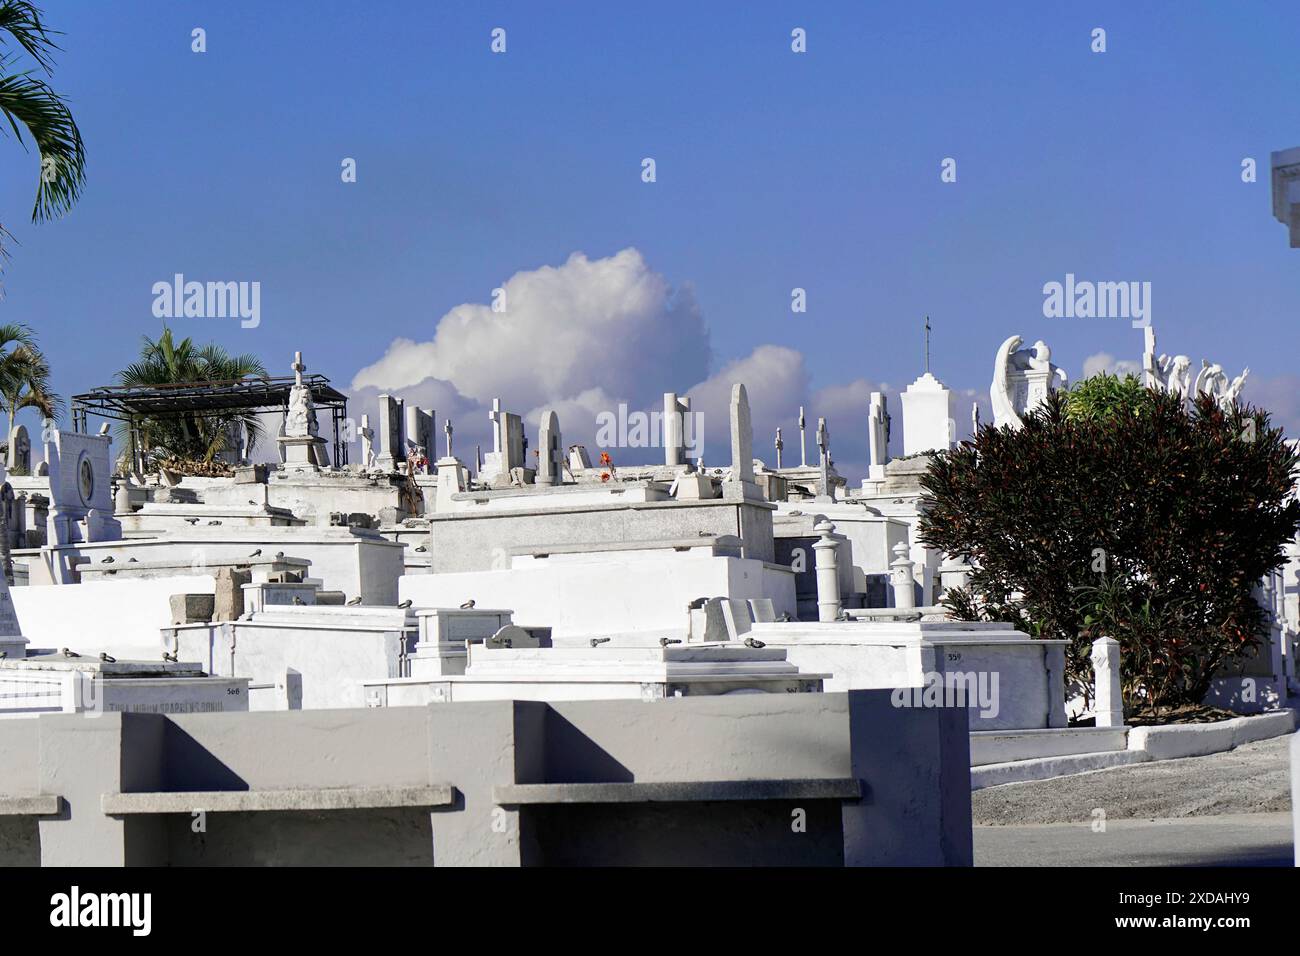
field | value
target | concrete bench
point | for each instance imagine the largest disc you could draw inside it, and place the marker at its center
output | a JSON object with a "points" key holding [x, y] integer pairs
{"points": [[30, 805], [257, 801], [531, 794]]}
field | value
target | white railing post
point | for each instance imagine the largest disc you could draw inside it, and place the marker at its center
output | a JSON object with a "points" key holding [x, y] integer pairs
{"points": [[902, 575], [828, 573], [1108, 698]]}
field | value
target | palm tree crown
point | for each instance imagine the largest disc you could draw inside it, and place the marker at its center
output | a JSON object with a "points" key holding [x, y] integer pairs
{"points": [[187, 436], [24, 378], [28, 103]]}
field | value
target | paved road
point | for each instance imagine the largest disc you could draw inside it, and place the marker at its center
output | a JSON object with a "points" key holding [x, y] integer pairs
{"points": [[1254, 778], [1239, 839], [1228, 809]]}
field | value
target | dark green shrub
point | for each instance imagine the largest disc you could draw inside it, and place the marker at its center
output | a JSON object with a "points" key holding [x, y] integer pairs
{"points": [[1115, 510]]}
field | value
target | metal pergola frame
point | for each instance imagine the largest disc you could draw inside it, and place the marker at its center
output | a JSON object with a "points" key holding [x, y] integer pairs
{"points": [[128, 403]]}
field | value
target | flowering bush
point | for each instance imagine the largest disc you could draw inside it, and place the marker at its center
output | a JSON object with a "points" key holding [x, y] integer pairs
{"points": [[1116, 510]]}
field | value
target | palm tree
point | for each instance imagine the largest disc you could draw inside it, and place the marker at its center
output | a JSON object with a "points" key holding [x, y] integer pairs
{"points": [[24, 379], [187, 436], [28, 103], [24, 383]]}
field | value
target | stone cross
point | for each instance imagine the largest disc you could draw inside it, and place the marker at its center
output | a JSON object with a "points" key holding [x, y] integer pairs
{"points": [[824, 447], [298, 369], [495, 417], [878, 429], [779, 445], [803, 445], [742, 436], [509, 443], [448, 429]]}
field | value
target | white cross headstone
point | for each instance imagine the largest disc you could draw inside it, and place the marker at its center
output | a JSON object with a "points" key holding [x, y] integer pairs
{"points": [[803, 444], [878, 433], [495, 417], [823, 466]]}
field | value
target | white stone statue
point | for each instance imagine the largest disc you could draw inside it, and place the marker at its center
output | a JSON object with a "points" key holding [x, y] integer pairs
{"points": [[1022, 380], [20, 450], [300, 420], [1174, 375], [1178, 375], [1210, 381], [1233, 391], [1168, 374]]}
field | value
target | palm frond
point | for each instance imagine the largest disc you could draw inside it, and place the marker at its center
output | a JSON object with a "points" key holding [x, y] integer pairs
{"points": [[28, 102], [22, 21]]}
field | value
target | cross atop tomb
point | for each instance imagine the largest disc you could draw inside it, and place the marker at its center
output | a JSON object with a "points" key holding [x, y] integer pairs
{"points": [[298, 369], [495, 417], [823, 446], [803, 444], [927, 343], [448, 429], [778, 445]]}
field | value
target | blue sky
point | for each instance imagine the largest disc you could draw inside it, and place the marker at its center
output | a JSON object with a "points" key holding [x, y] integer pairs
{"points": [[775, 170]]}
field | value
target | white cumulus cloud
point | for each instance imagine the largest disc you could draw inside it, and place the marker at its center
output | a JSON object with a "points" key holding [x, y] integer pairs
{"points": [[610, 324], [1105, 362]]}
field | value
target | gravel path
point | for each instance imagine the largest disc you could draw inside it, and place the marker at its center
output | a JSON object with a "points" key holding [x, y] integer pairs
{"points": [[1254, 778]]}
